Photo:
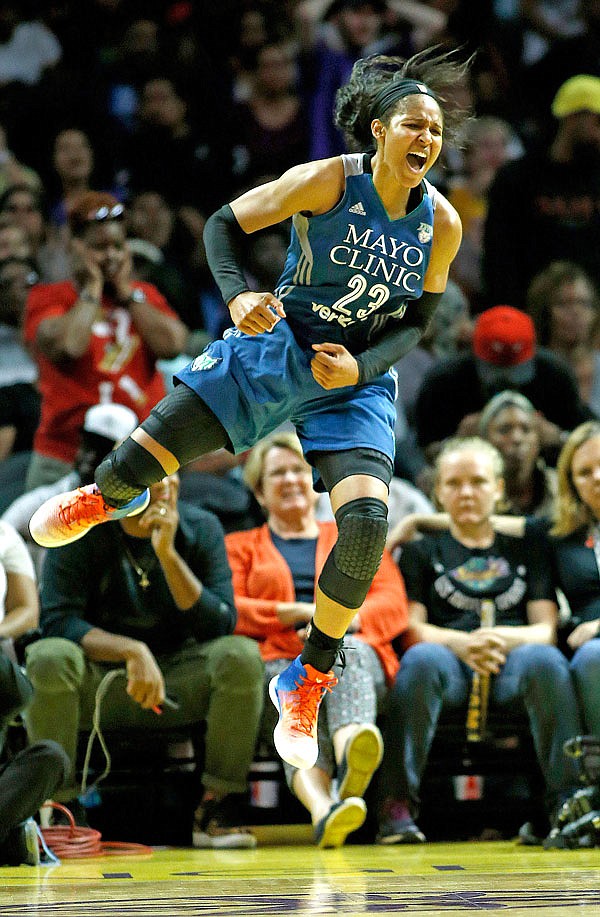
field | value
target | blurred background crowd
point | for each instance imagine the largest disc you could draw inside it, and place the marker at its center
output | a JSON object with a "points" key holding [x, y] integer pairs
{"points": [[150, 114], [176, 107]]}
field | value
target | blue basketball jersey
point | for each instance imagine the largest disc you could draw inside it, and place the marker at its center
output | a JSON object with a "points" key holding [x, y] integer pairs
{"points": [[346, 273], [350, 269]]}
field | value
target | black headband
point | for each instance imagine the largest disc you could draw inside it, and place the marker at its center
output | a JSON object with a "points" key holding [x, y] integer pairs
{"points": [[397, 89]]}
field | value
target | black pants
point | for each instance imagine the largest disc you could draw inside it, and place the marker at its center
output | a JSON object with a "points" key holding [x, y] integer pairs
{"points": [[32, 775], [26, 781]]}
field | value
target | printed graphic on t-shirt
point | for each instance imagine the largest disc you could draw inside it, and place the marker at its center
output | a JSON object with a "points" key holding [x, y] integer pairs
{"points": [[463, 586]]}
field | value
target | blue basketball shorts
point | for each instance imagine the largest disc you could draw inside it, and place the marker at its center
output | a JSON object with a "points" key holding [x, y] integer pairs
{"points": [[256, 383]]}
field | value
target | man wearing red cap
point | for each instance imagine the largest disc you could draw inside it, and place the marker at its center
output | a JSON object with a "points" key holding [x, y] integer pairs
{"points": [[504, 356]]}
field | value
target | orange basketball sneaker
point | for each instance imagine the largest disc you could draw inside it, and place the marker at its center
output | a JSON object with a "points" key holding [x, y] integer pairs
{"points": [[68, 516], [297, 693]]}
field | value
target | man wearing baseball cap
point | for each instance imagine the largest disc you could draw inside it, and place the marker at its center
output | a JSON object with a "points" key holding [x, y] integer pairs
{"points": [[544, 206], [504, 356]]}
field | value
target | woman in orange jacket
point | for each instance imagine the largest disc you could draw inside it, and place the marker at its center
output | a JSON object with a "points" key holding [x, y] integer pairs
{"points": [[275, 569]]}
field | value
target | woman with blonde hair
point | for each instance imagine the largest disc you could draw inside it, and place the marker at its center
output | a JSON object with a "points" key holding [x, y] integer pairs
{"points": [[575, 540], [481, 603], [275, 571]]}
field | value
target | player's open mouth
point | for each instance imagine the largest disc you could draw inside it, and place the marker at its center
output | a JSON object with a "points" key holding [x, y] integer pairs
{"points": [[416, 161]]}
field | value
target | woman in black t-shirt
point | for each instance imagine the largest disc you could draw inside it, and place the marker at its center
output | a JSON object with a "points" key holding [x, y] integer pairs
{"points": [[575, 541], [450, 577]]}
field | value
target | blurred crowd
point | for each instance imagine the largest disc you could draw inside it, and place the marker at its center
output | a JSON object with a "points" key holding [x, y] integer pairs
{"points": [[125, 123], [174, 108]]}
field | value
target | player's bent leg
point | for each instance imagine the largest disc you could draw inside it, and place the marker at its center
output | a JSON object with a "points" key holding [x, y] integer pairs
{"points": [[180, 428], [297, 692]]}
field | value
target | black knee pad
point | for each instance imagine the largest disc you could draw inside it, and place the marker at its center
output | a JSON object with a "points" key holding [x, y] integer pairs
{"points": [[354, 561], [126, 472]]}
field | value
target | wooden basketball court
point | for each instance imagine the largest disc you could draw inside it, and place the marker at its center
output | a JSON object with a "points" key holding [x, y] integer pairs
{"points": [[435, 879]]}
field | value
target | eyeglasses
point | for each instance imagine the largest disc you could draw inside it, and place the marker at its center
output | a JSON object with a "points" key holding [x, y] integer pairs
{"points": [[106, 213]]}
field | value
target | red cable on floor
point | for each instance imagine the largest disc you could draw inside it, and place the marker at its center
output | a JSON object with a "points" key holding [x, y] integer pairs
{"points": [[71, 841]]}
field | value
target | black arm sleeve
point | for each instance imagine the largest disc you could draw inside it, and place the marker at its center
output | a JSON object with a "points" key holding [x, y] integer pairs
{"points": [[396, 342], [223, 241]]}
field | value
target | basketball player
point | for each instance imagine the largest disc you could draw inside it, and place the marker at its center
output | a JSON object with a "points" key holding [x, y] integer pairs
{"points": [[371, 245]]}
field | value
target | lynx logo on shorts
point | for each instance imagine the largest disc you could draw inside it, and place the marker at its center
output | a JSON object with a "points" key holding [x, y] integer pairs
{"points": [[204, 361], [424, 232]]}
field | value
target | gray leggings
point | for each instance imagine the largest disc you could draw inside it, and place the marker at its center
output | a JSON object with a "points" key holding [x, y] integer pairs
{"points": [[356, 698]]}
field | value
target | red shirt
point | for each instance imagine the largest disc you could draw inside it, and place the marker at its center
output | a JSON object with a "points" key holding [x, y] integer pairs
{"points": [[117, 366], [262, 579]]}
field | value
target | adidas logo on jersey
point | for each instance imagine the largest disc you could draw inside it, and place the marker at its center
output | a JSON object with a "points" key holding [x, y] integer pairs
{"points": [[358, 208]]}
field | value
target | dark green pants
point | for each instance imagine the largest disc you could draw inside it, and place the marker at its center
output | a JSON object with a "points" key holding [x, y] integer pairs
{"points": [[219, 682]]}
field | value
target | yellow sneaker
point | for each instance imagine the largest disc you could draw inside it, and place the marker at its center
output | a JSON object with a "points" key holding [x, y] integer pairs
{"points": [[343, 817], [362, 757], [68, 516]]}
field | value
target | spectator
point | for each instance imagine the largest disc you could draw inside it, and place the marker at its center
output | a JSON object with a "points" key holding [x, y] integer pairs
{"points": [[29, 55], [24, 207], [574, 541], [504, 355], [449, 333], [73, 161], [543, 206], [410, 26], [546, 22], [336, 35], [271, 130], [568, 56], [448, 576], [137, 58], [164, 616], [257, 23], [96, 338], [19, 396], [165, 253], [564, 306], [489, 142], [170, 154], [13, 172], [509, 422], [275, 570], [27, 778], [215, 482], [571, 527], [19, 603], [14, 242]]}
